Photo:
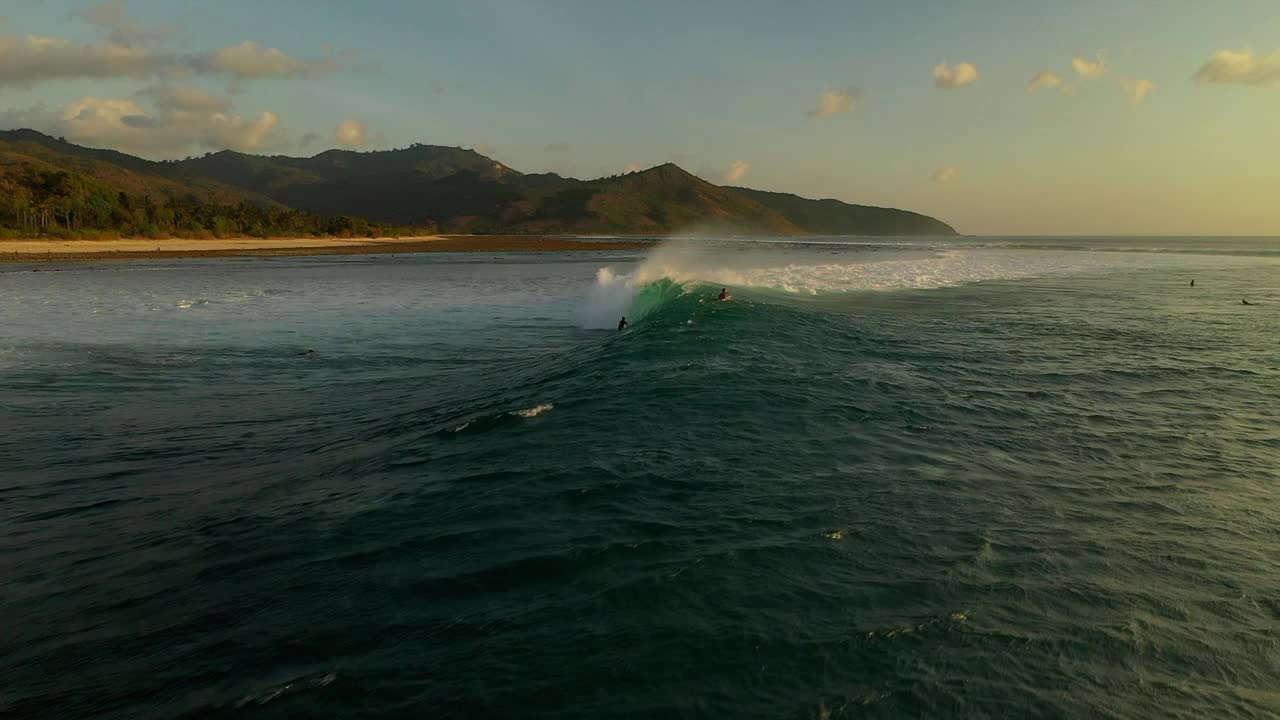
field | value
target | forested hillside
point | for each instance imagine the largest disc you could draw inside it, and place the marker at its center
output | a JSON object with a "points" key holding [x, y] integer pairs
{"points": [[51, 187]]}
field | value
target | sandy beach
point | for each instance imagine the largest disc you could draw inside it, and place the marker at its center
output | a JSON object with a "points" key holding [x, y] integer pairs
{"points": [[48, 250]]}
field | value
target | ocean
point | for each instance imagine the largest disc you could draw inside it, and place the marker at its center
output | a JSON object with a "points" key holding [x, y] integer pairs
{"points": [[969, 477]]}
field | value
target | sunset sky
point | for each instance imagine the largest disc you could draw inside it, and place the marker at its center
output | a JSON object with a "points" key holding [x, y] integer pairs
{"points": [[1011, 117]]}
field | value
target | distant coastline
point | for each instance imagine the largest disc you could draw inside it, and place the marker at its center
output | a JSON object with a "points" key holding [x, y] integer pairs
{"points": [[50, 187], [52, 250]]}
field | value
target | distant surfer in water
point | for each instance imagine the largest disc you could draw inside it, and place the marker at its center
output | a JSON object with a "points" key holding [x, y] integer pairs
{"points": [[724, 294], [622, 324], [1245, 302], [1193, 283]]}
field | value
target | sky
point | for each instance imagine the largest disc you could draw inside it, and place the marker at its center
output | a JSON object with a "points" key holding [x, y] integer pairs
{"points": [[1014, 117]]}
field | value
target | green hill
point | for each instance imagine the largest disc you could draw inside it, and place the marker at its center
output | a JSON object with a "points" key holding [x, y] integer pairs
{"points": [[832, 217], [451, 189], [52, 187], [659, 200], [116, 170]]}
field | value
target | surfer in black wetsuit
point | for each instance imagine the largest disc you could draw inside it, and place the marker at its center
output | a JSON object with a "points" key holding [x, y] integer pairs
{"points": [[622, 324], [724, 294], [1193, 283], [1245, 302]]}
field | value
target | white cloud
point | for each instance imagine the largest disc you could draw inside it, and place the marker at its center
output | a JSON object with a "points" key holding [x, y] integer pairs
{"points": [[170, 116], [1241, 66], [351, 133], [1090, 68], [113, 16], [35, 118], [125, 125], [236, 133], [29, 59], [130, 49], [1044, 80], [736, 171], [834, 102], [185, 98], [948, 78], [1138, 90], [26, 60], [251, 61], [946, 173]]}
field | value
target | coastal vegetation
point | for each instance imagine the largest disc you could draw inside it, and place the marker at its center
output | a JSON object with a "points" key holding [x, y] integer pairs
{"points": [[36, 202], [50, 187]]}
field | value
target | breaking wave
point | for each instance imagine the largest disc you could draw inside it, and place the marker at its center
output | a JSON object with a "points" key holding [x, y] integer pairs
{"points": [[678, 266]]}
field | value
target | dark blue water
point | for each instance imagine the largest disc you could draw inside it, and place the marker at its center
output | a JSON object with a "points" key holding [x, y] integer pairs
{"points": [[969, 479]]}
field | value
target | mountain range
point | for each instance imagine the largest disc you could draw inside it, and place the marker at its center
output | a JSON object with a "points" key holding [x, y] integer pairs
{"points": [[455, 190]]}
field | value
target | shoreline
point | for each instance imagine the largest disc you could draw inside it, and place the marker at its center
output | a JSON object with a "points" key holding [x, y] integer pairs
{"points": [[47, 250]]}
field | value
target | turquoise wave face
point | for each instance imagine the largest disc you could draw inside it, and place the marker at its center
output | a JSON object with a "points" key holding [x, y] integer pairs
{"points": [[915, 484], [653, 296]]}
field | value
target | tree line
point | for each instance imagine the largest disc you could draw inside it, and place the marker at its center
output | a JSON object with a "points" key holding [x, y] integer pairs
{"points": [[35, 202]]}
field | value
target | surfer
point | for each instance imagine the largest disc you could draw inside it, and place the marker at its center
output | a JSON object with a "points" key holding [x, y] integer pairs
{"points": [[1245, 302], [724, 294], [1193, 283], [622, 324]]}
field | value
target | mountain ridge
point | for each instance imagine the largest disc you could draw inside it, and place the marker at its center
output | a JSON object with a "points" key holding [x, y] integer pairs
{"points": [[459, 190]]}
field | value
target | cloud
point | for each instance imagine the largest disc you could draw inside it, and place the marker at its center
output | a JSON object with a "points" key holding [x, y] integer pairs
{"points": [[1090, 68], [26, 60], [948, 78], [125, 125], [632, 167], [185, 98], [485, 149], [35, 118], [29, 59], [131, 49], [352, 134], [309, 139], [1241, 66], [1043, 80], [1138, 90], [123, 30], [946, 173], [251, 61], [834, 102], [736, 171]]}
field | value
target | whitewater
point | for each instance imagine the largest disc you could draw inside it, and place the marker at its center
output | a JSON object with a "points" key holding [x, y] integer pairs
{"points": [[894, 477], [824, 266]]}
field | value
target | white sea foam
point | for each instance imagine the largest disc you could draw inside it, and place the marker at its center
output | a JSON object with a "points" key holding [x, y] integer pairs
{"points": [[608, 299], [534, 411], [304, 683], [815, 271]]}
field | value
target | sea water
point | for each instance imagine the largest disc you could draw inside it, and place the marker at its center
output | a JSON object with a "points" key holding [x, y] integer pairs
{"points": [[971, 477]]}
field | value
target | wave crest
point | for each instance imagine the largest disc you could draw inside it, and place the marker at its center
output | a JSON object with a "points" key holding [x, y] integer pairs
{"points": [[831, 268]]}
